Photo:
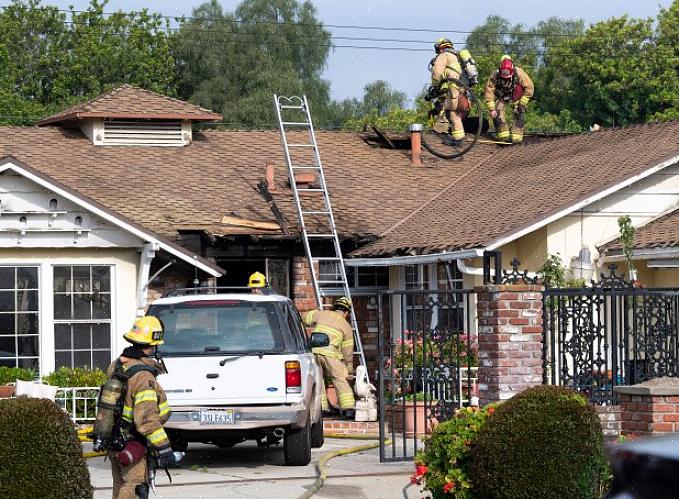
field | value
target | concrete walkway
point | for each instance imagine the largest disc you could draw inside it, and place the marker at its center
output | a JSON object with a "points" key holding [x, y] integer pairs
{"points": [[247, 471]]}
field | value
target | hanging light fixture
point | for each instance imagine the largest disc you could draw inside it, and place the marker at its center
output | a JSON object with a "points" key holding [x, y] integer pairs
{"points": [[581, 265]]}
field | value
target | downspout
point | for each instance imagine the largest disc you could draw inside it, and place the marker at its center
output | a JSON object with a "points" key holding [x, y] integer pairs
{"points": [[479, 270]]}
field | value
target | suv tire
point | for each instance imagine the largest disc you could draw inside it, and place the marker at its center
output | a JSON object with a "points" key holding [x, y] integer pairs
{"points": [[297, 446], [317, 439]]}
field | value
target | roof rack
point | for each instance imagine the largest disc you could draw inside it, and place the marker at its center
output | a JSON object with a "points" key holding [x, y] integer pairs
{"points": [[209, 290]]}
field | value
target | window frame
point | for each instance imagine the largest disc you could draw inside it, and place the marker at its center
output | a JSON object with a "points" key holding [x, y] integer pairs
{"points": [[38, 313]]}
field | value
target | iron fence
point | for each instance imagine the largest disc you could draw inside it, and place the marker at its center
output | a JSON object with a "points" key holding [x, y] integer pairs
{"points": [[428, 361], [79, 402], [608, 335]]}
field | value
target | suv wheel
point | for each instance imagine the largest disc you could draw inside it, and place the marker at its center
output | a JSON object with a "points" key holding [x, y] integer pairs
{"points": [[297, 446], [317, 439]]}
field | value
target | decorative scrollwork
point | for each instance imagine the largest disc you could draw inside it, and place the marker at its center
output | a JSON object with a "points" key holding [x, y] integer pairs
{"points": [[612, 279], [517, 276]]}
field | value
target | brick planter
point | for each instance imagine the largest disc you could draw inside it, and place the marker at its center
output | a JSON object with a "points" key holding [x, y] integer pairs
{"points": [[650, 408], [6, 391]]}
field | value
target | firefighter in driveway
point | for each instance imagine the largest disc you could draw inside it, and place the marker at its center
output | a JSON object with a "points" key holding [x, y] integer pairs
{"points": [[137, 432], [337, 359]]}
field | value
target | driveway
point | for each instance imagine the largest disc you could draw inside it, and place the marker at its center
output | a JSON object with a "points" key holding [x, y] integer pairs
{"points": [[247, 471]]}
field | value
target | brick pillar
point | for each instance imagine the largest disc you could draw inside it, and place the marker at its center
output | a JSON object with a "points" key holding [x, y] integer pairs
{"points": [[650, 408], [510, 340], [302, 286]]}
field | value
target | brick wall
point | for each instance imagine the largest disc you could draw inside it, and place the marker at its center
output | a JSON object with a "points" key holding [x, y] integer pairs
{"points": [[610, 416], [648, 411], [302, 287], [510, 340]]}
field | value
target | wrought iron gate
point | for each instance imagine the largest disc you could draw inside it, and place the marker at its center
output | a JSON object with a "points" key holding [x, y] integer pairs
{"points": [[608, 335], [427, 364]]}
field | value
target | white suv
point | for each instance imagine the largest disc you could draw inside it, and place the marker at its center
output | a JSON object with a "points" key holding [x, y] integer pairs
{"points": [[240, 367]]}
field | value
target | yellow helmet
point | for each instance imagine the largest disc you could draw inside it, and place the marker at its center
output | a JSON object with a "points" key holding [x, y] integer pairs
{"points": [[146, 330], [257, 280], [442, 43], [342, 303]]}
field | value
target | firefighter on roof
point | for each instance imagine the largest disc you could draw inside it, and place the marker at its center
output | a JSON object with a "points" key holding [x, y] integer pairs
{"points": [[447, 65]]}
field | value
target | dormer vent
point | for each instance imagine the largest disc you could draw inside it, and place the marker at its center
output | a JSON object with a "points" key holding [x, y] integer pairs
{"points": [[145, 133]]}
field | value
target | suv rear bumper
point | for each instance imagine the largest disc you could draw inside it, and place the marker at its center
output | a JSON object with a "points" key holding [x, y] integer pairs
{"points": [[245, 418]]}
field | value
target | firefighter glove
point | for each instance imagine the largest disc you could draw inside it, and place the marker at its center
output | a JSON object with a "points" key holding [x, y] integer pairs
{"points": [[166, 457], [431, 93], [493, 114]]}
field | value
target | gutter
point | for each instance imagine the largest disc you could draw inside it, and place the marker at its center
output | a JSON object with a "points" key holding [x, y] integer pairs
{"points": [[445, 256]]}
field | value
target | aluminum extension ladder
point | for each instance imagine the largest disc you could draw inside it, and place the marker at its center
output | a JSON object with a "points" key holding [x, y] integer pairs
{"points": [[293, 115]]}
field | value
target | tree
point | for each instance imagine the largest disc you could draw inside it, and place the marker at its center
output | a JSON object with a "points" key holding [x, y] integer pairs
{"points": [[380, 97], [235, 62]]}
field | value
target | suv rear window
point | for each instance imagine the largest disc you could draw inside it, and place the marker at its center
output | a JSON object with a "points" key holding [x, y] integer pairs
{"points": [[219, 326]]}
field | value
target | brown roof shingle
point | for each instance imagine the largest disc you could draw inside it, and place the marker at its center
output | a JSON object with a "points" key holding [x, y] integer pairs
{"points": [[128, 101], [663, 232], [520, 186]]}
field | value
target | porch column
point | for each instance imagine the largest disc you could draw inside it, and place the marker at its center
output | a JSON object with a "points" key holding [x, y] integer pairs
{"points": [[510, 340]]}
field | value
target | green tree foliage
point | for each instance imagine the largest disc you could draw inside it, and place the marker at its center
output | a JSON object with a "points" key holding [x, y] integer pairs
{"points": [[51, 59], [381, 106], [233, 63]]}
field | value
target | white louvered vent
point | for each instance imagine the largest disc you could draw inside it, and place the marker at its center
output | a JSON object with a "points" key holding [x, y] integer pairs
{"points": [[145, 133]]}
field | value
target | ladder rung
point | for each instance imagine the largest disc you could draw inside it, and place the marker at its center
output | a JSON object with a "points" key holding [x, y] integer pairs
{"points": [[305, 167], [326, 258], [315, 212], [291, 107], [295, 123], [301, 145], [320, 235], [340, 283], [313, 189]]}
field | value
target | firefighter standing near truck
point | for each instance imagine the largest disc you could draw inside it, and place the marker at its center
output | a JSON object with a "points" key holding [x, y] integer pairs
{"points": [[509, 84], [337, 359], [144, 411]]}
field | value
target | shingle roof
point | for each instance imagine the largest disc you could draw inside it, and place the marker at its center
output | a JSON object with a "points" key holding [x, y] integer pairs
{"points": [[128, 101], [520, 186], [169, 189], [663, 232]]}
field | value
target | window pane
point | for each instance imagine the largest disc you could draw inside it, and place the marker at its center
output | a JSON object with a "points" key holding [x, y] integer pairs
{"points": [[7, 301], [8, 346], [28, 346], [81, 279], [29, 364], [62, 279], [62, 359], [62, 306], [27, 301], [101, 279], [82, 359], [7, 277], [62, 336], [8, 362], [101, 336], [27, 278], [81, 336], [101, 359], [7, 324], [81, 307], [101, 306], [27, 323]]}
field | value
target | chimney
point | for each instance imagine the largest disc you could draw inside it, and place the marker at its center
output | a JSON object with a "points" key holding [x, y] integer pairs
{"points": [[269, 175], [416, 144]]}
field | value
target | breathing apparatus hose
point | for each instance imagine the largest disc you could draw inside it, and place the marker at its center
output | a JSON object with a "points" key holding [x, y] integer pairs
{"points": [[320, 466]]}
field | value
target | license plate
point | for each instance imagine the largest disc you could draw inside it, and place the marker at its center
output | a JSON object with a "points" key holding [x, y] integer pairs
{"points": [[216, 417]]}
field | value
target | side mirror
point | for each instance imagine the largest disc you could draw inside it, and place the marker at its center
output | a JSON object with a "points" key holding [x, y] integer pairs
{"points": [[319, 340]]}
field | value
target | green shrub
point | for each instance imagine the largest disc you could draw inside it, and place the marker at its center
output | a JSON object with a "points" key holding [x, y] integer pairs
{"points": [[66, 376], [545, 442], [11, 374], [40, 455], [443, 466]]}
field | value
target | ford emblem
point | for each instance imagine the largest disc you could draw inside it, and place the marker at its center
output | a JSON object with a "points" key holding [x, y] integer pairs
{"points": [[272, 389]]}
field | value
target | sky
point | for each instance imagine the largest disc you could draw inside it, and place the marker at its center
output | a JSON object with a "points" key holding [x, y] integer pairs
{"points": [[349, 69]]}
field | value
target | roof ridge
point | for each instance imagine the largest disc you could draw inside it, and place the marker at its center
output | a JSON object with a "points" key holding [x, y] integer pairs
{"points": [[439, 194]]}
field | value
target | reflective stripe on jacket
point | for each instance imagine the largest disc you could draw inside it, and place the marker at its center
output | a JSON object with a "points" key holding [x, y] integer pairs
{"points": [[521, 79], [338, 330], [446, 65], [146, 405]]}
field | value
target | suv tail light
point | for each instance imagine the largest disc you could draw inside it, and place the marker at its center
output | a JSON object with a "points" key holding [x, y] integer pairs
{"points": [[293, 377]]}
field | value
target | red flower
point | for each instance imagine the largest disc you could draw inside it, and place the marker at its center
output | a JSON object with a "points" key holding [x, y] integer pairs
{"points": [[420, 469], [491, 410], [448, 487], [415, 480]]}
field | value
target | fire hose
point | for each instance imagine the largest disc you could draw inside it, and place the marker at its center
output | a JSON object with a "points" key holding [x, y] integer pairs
{"points": [[320, 466]]}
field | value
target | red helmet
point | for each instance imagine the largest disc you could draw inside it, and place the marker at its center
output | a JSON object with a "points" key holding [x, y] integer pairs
{"points": [[506, 68]]}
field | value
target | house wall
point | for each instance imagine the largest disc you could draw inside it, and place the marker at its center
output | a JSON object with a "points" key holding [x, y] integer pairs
{"points": [[124, 267], [530, 250], [598, 223]]}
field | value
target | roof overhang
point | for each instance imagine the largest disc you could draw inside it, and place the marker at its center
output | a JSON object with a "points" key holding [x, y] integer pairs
{"points": [[445, 256], [11, 163], [81, 115], [643, 254], [585, 201]]}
